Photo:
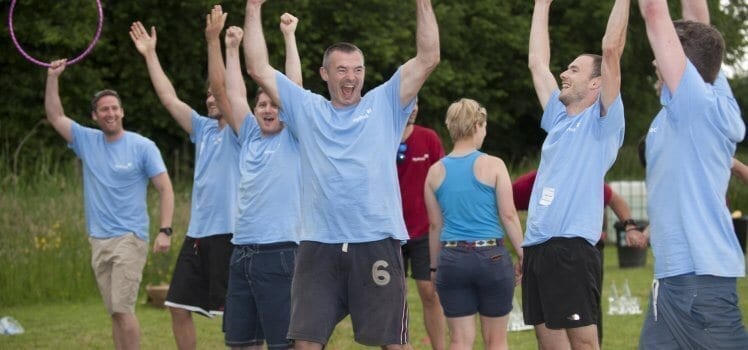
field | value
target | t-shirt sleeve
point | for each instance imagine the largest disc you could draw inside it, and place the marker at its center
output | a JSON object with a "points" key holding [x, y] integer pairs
{"points": [[152, 161], [198, 124], [248, 129], [437, 147], [80, 139], [613, 122], [553, 113], [689, 96], [293, 99]]}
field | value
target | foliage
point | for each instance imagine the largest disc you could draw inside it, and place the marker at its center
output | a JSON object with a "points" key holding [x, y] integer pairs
{"points": [[484, 56]]}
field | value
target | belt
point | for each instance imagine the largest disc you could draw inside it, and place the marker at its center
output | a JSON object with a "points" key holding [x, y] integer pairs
{"points": [[268, 246], [473, 244]]}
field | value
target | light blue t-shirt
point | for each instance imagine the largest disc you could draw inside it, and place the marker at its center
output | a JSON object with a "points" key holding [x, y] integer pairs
{"points": [[567, 198], [689, 152], [468, 206], [349, 174], [214, 191], [115, 179], [270, 187]]}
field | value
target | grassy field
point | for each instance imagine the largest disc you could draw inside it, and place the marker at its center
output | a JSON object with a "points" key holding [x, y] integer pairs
{"points": [[46, 281], [85, 325]]}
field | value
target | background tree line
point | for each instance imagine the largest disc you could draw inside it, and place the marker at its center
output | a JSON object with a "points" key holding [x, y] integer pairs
{"points": [[483, 44]]}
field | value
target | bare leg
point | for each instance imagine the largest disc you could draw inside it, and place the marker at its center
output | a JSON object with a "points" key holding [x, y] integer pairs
{"points": [[307, 345], [183, 328], [125, 331], [551, 339], [494, 332], [462, 332], [583, 338], [433, 316]]}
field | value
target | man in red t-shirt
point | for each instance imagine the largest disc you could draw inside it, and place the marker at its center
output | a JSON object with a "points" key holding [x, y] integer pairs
{"points": [[420, 148], [522, 188]]}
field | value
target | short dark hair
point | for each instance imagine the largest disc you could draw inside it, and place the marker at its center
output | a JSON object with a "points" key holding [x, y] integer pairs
{"points": [[704, 46], [597, 62], [259, 92], [103, 93], [340, 46]]}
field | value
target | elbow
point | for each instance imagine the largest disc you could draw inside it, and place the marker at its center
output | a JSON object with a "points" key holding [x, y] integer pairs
{"points": [[651, 10], [612, 48]]}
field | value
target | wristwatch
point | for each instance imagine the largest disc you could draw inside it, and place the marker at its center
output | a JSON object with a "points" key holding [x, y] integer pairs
{"points": [[166, 230]]}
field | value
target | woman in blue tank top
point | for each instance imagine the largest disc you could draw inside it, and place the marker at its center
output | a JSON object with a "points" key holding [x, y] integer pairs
{"points": [[470, 207]]}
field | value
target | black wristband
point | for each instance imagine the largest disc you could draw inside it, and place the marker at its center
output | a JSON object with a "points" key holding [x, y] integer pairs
{"points": [[166, 230], [432, 269], [628, 222]]}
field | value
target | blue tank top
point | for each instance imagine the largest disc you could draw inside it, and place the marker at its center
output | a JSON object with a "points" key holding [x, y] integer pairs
{"points": [[468, 206]]}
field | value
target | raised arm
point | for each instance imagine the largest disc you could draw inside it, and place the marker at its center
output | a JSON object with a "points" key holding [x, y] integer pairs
{"points": [[288, 25], [52, 104], [668, 52], [508, 213], [256, 51], [614, 41], [695, 10], [146, 45], [417, 69], [539, 55], [162, 183], [235, 88], [214, 23]]}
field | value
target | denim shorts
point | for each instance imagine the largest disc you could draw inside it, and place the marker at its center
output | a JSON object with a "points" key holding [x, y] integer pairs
{"points": [[475, 280], [694, 312], [258, 303]]}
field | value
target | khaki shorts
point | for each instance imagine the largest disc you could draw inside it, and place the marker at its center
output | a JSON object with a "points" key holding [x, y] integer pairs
{"points": [[118, 267]]}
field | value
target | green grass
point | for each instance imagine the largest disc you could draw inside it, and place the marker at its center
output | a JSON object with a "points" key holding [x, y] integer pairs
{"points": [[85, 325]]}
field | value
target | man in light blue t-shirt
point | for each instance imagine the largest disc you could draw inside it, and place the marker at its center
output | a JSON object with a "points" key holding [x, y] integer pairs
{"points": [[585, 125], [117, 165], [349, 259], [258, 303], [689, 149], [200, 276]]}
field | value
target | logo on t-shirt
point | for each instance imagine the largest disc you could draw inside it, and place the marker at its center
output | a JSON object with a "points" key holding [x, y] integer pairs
{"points": [[123, 166], [575, 127], [363, 116], [423, 158]]}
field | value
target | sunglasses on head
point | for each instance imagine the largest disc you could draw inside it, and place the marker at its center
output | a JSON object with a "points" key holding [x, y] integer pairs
{"points": [[401, 152]]}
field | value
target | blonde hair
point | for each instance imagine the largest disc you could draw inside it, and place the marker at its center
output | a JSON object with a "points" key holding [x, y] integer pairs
{"points": [[462, 118]]}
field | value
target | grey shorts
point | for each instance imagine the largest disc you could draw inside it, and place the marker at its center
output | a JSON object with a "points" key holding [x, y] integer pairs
{"points": [[365, 280], [694, 312]]}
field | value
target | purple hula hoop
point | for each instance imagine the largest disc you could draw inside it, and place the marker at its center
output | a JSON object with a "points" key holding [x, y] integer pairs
{"points": [[44, 64]]}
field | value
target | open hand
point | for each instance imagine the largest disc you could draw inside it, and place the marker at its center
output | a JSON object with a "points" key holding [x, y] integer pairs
{"points": [[143, 42], [214, 22]]}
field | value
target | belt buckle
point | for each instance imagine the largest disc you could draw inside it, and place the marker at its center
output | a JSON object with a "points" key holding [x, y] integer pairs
{"points": [[486, 243]]}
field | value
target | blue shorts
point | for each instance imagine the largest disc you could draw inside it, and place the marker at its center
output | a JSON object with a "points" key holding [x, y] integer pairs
{"points": [[258, 303], [694, 312], [475, 280]]}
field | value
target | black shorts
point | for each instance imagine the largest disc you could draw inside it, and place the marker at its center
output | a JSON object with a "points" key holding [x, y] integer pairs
{"points": [[561, 283], [416, 252], [364, 280], [201, 275]]}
